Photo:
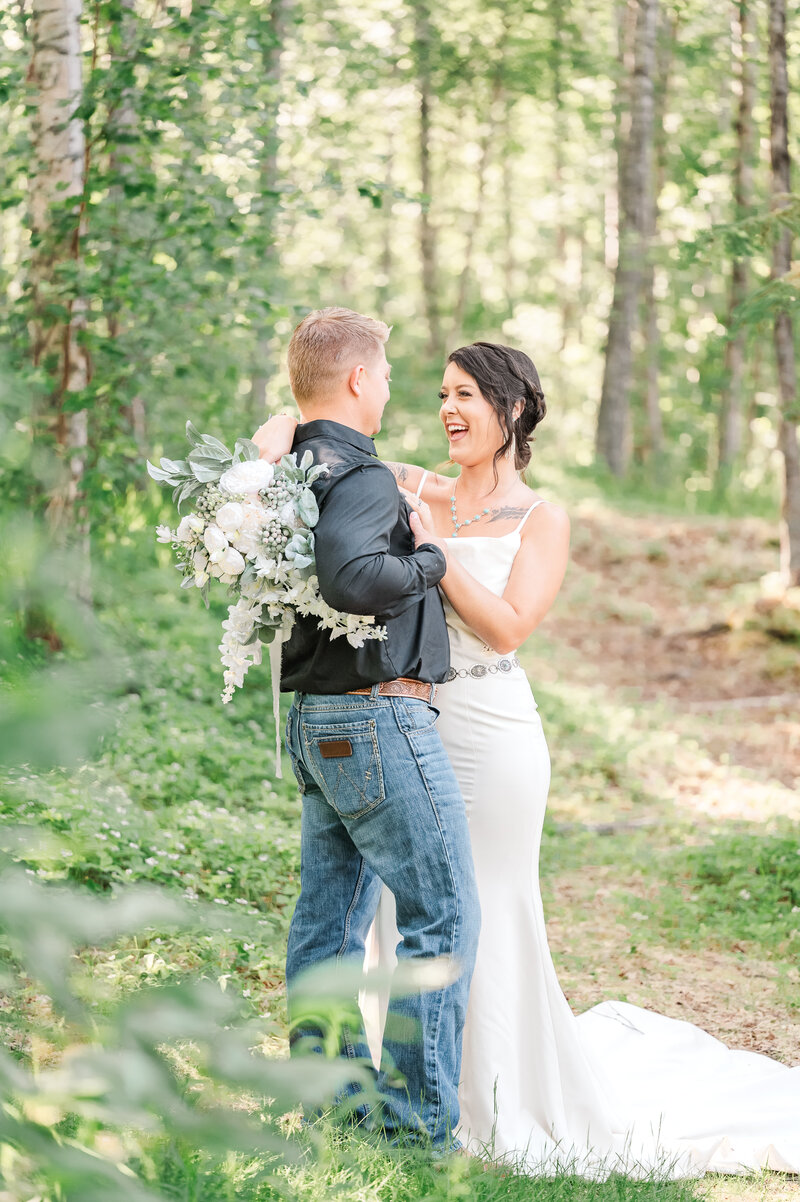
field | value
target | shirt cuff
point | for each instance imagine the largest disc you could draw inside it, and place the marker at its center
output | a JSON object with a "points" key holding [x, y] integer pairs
{"points": [[435, 562]]}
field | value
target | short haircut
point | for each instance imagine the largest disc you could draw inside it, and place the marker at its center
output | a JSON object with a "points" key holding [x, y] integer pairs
{"points": [[328, 342]]}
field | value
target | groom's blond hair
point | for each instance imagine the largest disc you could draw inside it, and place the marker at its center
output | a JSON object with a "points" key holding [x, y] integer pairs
{"points": [[327, 344]]}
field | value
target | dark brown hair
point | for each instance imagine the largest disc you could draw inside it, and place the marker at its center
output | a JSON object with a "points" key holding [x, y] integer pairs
{"points": [[506, 376]]}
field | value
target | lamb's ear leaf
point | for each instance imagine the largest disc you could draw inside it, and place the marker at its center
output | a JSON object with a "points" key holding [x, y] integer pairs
{"points": [[214, 445], [170, 470], [246, 449], [189, 488], [194, 436], [307, 507]]}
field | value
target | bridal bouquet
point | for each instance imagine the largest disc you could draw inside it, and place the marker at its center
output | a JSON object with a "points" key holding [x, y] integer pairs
{"points": [[251, 528]]}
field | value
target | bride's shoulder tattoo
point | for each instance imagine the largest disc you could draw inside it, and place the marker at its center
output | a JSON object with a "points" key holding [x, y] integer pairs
{"points": [[398, 470], [507, 513]]}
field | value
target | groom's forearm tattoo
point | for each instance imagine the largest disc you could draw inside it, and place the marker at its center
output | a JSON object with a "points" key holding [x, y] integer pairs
{"points": [[399, 471], [507, 513]]}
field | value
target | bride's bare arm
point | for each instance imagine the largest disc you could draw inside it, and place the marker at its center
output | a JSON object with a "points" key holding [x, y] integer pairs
{"points": [[539, 566], [274, 439]]}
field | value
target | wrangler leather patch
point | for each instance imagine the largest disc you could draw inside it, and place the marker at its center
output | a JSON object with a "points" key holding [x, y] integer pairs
{"points": [[335, 749]]}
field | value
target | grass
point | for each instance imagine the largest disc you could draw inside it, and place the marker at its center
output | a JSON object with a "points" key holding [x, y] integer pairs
{"points": [[183, 795]]}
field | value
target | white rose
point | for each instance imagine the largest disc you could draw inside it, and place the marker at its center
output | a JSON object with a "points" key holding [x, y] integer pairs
{"points": [[247, 477], [230, 516], [163, 534], [187, 528], [232, 563], [214, 539], [248, 544]]}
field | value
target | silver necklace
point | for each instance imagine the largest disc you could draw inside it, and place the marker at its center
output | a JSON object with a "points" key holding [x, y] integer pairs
{"points": [[469, 521]]}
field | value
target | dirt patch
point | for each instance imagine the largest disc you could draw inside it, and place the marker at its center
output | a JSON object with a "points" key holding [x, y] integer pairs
{"points": [[650, 606], [599, 956]]}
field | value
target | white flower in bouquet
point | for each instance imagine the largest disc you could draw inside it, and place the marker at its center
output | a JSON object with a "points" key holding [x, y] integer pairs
{"points": [[214, 539], [247, 477], [188, 527], [230, 517], [200, 568], [252, 531], [289, 516], [232, 562]]}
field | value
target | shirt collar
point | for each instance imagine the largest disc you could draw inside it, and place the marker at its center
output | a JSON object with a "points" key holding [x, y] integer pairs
{"points": [[324, 428]]}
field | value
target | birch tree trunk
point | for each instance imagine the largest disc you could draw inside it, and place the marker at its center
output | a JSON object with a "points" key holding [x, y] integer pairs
{"points": [[732, 406], [635, 161], [781, 263], [56, 186]]}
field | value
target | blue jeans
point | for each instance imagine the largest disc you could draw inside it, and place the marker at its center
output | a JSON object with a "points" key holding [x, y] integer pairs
{"points": [[381, 803]]}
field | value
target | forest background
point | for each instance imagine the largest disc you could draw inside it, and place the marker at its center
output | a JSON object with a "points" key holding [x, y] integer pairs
{"points": [[605, 186]]}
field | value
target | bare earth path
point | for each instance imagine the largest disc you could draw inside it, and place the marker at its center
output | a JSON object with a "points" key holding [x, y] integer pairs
{"points": [[650, 634]]}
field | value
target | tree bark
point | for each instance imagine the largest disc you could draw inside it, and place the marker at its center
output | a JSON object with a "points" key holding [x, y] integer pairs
{"points": [[56, 189], [652, 337], [732, 401], [635, 161], [781, 264], [272, 37], [423, 33], [476, 216]]}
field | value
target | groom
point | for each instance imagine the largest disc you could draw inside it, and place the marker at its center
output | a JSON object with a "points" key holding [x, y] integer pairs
{"points": [[380, 800]]}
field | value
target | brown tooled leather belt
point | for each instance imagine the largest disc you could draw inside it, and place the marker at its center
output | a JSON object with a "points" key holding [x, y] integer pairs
{"points": [[402, 687]]}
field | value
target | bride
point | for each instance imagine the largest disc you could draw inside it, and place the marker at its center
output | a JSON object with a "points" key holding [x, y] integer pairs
{"points": [[619, 1087]]}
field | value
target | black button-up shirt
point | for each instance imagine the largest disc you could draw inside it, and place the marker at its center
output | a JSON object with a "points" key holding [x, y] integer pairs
{"points": [[366, 564]]}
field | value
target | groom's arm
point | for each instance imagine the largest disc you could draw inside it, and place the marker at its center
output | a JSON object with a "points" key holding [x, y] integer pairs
{"points": [[356, 570]]}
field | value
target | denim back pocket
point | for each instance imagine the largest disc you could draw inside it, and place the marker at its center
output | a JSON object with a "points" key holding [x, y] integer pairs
{"points": [[346, 760]]}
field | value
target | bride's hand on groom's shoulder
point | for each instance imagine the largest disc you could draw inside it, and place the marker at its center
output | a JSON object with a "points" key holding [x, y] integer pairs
{"points": [[274, 439], [421, 523]]}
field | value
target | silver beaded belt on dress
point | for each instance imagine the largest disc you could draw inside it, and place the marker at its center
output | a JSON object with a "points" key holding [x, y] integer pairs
{"points": [[478, 671]]}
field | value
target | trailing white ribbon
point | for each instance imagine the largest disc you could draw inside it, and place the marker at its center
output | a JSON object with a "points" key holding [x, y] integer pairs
{"points": [[275, 649]]}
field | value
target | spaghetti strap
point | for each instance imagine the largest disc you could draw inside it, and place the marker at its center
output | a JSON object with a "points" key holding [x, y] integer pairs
{"points": [[535, 505], [418, 493]]}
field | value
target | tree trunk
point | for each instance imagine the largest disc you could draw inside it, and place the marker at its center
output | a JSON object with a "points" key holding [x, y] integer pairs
{"points": [[507, 186], [125, 160], [559, 266], [731, 409], [652, 338], [635, 170], [272, 37], [427, 234], [476, 216], [781, 263], [56, 186]]}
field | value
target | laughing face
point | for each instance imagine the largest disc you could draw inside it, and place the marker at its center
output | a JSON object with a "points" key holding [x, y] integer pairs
{"points": [[470, 422]]}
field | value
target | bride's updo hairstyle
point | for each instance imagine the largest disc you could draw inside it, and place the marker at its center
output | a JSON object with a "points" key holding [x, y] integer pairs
{"points": [[506, 376]]}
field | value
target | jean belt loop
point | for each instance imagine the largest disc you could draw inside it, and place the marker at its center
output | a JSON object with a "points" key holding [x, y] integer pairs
{"points": [[375, 692], [433, 694]]}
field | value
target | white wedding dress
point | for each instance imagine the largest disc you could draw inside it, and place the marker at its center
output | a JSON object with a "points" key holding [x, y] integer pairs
{"points": [[619, 1087]]}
